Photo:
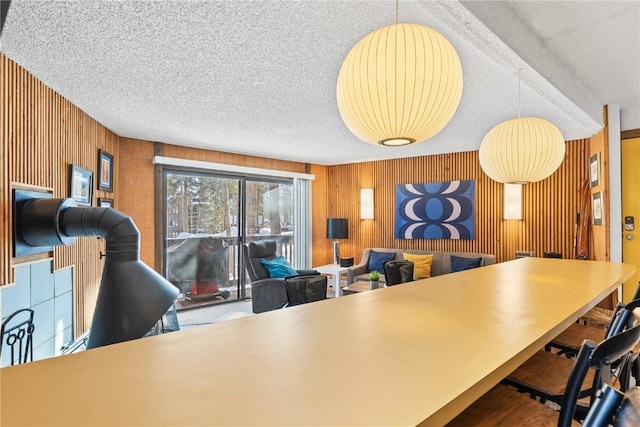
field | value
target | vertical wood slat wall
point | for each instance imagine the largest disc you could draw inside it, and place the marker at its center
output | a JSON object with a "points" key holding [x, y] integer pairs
{"points": [[42, 133], [549, 206]]}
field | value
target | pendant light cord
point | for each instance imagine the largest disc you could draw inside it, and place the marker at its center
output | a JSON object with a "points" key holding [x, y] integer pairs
{"points": [[397, 1], [442, 3], [519, 70]]}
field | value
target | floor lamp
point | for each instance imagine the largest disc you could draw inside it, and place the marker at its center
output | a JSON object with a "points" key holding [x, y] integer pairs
{"points": [[337, 228]]}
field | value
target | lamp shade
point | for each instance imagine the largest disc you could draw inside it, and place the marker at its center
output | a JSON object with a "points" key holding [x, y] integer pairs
{"points": [[366, 203], [337, 228], [512, 201], [400, 84], [522, 150]]}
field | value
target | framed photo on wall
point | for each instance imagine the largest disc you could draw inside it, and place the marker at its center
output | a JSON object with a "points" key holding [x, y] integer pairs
{"points": [[594, 169], [597, 204], [105, 171], [81, 185], [103, 202]]}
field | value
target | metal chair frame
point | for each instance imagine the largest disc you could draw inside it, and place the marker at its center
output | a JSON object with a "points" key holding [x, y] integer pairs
{"points": [[613, 407], [18, 337]]}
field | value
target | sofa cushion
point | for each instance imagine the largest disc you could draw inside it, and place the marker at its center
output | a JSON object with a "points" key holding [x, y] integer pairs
{"points": [[440, 264], [377, 260], [421, 264], [278, 267], [255, 250], [462, 263]]}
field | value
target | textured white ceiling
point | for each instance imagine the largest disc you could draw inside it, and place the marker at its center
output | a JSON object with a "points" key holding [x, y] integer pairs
{"points": [[258, 77], [595, 44]]}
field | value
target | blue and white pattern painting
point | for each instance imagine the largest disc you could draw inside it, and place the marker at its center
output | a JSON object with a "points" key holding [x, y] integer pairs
{"points": [[436, 210]]}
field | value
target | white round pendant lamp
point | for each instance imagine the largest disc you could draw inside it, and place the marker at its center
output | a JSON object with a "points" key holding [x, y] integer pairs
{"points": [[522, 150], [399, 85]]}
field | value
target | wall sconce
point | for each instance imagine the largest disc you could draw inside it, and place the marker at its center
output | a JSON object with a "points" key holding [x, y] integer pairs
{"points": [[512, 201], [366, 203]]}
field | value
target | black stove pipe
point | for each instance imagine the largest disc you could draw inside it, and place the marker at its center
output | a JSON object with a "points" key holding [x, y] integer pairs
{"points": [[4, 9], [132, 296]]}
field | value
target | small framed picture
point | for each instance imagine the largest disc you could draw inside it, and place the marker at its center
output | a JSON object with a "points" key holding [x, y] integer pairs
{"points": [[105, 171], [103, 202], [597, 206], [594, 169], [81, 185]]}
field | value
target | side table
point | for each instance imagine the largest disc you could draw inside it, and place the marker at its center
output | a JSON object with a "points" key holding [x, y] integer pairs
{"points": [[333, 270]]}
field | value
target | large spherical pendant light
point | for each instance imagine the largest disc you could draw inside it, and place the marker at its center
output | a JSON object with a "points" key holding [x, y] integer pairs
{"points": [[399, 85], [522, 150]]}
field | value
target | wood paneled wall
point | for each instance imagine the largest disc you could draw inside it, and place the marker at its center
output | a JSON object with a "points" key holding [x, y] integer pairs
{"points": [[600, 234], [41, 134], [549, 206], [136, 192]]}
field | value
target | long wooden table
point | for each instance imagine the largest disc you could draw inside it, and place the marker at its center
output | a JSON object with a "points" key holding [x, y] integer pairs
{"points": [[412, 354]]}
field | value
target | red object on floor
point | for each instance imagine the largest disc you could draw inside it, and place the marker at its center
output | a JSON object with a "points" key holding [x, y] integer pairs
{"points": [[204, 287]]}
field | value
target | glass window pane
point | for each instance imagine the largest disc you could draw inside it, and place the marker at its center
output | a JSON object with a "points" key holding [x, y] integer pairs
{"points": [[202, 237], [270, 214]]}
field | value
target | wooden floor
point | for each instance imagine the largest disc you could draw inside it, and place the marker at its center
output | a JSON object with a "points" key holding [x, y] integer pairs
{"points": [[205, 312]]}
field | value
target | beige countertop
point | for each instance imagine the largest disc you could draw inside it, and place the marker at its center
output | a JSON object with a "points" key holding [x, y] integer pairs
{"points": [[416, 353]]}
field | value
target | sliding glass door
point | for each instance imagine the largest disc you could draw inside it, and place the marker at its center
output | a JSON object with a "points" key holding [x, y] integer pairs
{"points": [[208, 217], [269, 213]]}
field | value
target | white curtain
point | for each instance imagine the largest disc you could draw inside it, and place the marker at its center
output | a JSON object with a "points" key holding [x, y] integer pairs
{"points": [[302, 223]]}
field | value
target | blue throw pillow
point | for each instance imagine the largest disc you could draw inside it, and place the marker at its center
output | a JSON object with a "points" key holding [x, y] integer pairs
{"points": [[460, 263], [377, 260], [278, 267]]}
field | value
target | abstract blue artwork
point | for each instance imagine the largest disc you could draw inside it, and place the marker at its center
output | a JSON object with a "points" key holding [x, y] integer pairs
{"points": [[436, 210]]}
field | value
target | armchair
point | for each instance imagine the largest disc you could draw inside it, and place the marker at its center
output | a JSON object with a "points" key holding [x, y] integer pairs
{"points": [[267, 293]]}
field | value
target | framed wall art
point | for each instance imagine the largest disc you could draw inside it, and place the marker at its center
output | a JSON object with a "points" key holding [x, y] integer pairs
{"points": [[103, 202], [105, 171], [594, 169], [435, 210], [597, 204], [80, 185]]}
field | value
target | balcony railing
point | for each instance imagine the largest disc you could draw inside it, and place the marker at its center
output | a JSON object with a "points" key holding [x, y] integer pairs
{"points": [[206, 267]]}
